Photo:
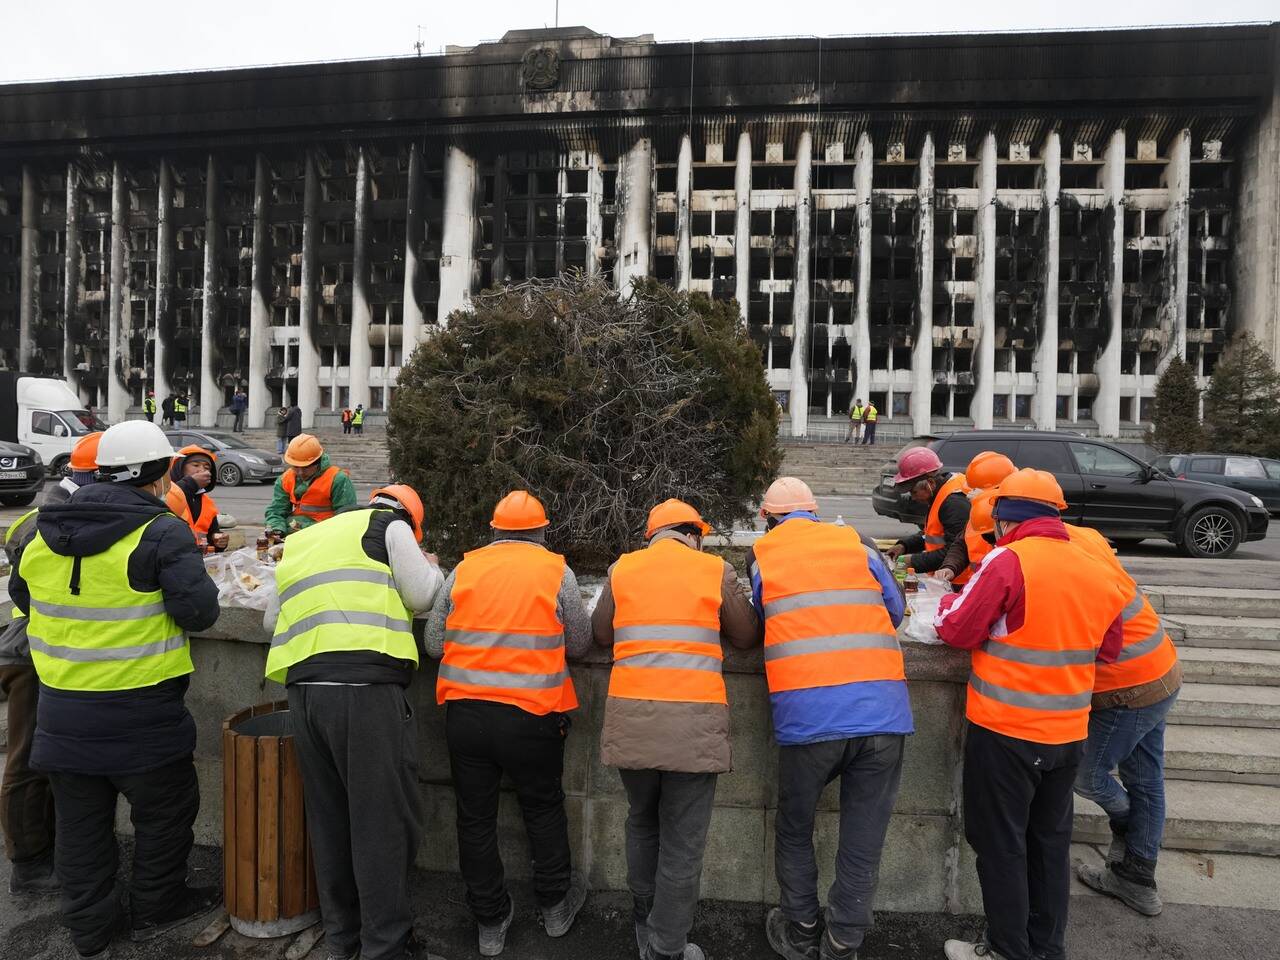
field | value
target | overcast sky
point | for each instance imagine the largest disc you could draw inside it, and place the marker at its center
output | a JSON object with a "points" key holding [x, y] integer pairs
{"points": [[75, 38]]}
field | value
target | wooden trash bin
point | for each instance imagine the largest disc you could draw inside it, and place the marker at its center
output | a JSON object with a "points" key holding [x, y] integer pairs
{"points": [[269, 877]]}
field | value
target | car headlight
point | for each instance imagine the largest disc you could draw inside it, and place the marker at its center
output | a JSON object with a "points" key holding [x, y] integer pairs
{"points": [[256, 461], [1257, 502]]}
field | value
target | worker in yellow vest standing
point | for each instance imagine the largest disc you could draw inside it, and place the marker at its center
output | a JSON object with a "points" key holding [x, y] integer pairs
{"points": [[856, 413], [869, 417], [110, 583], [665, 611], [506, 618], [342, 643]]}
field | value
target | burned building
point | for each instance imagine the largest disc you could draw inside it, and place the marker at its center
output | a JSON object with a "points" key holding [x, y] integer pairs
{"points": [[973, 229]]}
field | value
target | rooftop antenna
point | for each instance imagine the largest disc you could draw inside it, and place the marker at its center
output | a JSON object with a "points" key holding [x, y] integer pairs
{"points": [[418, 46]]}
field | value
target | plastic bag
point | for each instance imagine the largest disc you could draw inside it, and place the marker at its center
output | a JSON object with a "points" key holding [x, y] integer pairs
{"points": [[243, 580], [924, 607]]}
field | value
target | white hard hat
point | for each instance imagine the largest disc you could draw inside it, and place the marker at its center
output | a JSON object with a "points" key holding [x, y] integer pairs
{"points": [[130, 445]]}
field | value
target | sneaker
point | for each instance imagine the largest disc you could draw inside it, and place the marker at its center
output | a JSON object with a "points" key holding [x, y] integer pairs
{"points": [[493, 938], [1136, 896], [964, 950], [194, 902], [691, 952], [789, 939], [34, 876], [558, 919], [829, 950]]}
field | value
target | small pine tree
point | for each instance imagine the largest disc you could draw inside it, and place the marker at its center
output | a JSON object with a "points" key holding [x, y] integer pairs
{"points": [[1242, 404], [1175, 423]]}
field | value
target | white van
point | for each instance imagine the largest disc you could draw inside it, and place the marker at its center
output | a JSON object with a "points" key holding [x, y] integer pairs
{"points": [[45, 414]]}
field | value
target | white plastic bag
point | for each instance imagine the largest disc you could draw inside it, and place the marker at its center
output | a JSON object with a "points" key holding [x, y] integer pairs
{"points": [[243, 580], [924, 607]]}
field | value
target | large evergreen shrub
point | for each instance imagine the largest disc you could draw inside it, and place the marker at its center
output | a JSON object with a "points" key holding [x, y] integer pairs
{"points": [[1242, 403], [1175, 422]]}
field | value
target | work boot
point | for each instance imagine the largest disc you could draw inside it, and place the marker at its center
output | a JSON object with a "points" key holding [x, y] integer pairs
{"points": [[964, 950], [790, 939], [34, 876], [691, 952], [830, 950], [1131, 881], [493, 937], [194, 902], [558, 919], [1115, 852]]}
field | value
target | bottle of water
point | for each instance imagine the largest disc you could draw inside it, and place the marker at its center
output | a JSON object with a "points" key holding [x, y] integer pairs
{"points": [[840, 520]]}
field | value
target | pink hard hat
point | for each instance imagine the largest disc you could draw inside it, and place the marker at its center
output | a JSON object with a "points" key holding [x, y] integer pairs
{"points": [[916, 463]]}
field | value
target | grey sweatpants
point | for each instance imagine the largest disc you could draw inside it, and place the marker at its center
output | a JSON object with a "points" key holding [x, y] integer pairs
{"points": [[666, 835], [358, 750]]}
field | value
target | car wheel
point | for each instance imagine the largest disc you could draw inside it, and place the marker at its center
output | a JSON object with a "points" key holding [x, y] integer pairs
{"points": [[60, 466], [17, 499], [229, 475], [1211, 533]]}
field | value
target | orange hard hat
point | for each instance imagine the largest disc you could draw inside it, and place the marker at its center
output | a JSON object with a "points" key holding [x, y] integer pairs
{"points": [[408, 498], [987, 469], [787, 494], [1028, 484], [672, 513], [519, 510], [303, 450], [980, 518], [84, 455], [194, 450]]}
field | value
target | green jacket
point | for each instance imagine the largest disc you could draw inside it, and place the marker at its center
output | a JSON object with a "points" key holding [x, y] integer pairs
{"points": [[279, 515]]}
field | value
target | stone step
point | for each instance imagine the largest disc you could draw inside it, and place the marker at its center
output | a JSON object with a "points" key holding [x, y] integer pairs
{"points": [[1222, 754], [1230, 705], [1240, 633], [1230, 666], [1215, 601], [1211, 817], [1234, 880]]}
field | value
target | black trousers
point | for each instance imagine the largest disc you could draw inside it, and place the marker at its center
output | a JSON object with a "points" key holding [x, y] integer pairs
{"points": [[1017, 818], [26, 802], [358, 752], [487, 740], [164, 804]]}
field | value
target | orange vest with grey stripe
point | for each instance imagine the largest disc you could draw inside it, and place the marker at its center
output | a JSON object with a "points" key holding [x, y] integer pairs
{"points": [[666, 625], [1036, 682], [934, 534], [1148, 653], [316, 501], [504, 640], [825, 623]]}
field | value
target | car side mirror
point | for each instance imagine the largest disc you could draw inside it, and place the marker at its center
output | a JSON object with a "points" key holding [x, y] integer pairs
{"points": [[1148, 473]]}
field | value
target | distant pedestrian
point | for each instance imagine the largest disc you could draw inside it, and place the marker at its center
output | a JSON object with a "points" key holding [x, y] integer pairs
{"points": [[855, 422], [282, 429], [180, 409], [239, 407], [346, 419], [294, 426], [357, 419], [166, 411], [869, 417], [149, 406]]}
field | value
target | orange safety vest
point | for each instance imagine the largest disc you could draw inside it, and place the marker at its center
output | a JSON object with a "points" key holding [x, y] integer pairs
{"points": [[825, 622], [934, 535], [1148, 652], [666, 625], [317, 502], [1036, 683], [177, 503], [504, 640]]}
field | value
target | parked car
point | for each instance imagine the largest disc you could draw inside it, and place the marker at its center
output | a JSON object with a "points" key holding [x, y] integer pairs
{"points": [[21, 474], [1106, 488], [1250, 474], [237, 461]]}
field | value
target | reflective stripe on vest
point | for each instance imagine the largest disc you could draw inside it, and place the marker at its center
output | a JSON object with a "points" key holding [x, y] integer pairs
{"points": [[316, 502], [666, 625], [825, 622], [872, 414], [503, 638], [1036, 682], [148, 405], [176, 500], [1148, 652], [934, 534], [358, 417], [335, 598], [107, 636], [179, 407]]}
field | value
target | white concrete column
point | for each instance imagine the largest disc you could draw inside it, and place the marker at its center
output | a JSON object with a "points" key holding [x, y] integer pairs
{"points": [[118, 322], [742, 224], [863, 159], [361, 355], [210, 388], [164, 283], [411, 320], [308, 351], [984, 309], [259, 311], [684, 216], [1106, 407], [635, 223], [595, 216], [799, 401], [71, 278], [1046, 362], [1177, 230], [457, 241], [922, 347], [28, 292]]}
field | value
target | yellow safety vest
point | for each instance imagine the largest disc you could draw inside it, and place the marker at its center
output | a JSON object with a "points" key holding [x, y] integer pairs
{"points": [[357, 418], [179, 406], [106, 636], [872, 413], [335, 598], [9, 534], [855, 413], [148, 405]]}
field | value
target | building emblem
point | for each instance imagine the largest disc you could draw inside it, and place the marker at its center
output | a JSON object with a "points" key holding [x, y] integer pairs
{"points": [[540, 68]]}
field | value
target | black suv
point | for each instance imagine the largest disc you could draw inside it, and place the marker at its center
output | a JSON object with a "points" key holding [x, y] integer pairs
{"points": [[1106, 488]]}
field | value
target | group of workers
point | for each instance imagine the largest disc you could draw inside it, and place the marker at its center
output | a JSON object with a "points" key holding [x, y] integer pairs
{"points": [[107, 583]]}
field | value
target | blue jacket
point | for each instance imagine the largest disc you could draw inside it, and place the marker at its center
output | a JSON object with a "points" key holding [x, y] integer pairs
{"points": [[859, 709]]}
